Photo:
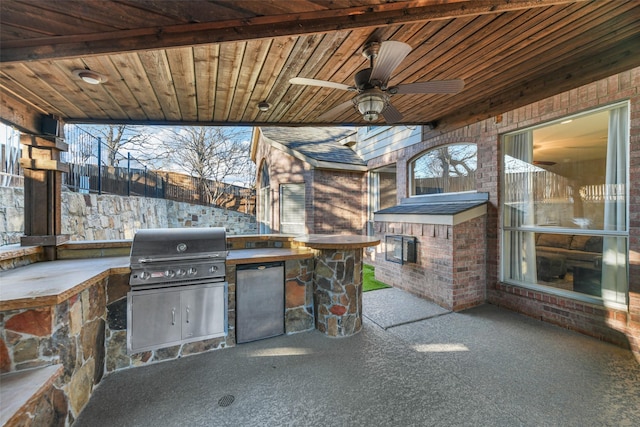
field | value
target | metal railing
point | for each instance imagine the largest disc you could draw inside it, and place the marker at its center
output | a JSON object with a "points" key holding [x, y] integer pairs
{"points": [[94, 168], [10, 172]]}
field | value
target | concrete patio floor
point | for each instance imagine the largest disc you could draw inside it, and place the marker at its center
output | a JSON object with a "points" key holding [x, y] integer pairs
{"points": [[413, 364]]}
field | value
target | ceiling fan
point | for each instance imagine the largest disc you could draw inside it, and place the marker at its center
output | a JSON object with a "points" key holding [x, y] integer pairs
{"points": [[371, 84]]}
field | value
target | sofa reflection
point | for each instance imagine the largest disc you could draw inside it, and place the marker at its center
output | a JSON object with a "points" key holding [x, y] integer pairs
{"points": [[572, 262]]}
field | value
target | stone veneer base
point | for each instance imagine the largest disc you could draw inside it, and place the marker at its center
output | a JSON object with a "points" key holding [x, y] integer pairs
{"points": [[338, 291]]}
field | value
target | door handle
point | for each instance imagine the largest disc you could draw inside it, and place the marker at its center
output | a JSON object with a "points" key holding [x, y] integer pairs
{"points": [[187, 314], [173, 316]]}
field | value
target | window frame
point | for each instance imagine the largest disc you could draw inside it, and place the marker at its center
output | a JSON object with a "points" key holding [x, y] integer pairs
{"points": [[411, 172], [284, 206], [503, 228]]}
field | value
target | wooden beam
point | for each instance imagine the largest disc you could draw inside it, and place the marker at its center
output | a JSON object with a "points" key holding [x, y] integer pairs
{"points": [[44, 165], [400, 12], [19, 114], [44, 141]]}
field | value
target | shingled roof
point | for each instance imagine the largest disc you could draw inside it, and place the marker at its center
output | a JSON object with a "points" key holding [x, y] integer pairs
{"points": [[432, 208], [319, 144]]}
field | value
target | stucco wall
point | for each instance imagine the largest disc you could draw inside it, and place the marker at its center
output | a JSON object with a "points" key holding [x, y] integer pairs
{"points": [[107, 217]]}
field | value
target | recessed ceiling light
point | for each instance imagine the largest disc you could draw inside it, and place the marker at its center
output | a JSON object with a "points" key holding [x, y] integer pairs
{"points": [[89, 76], [264, 106]]}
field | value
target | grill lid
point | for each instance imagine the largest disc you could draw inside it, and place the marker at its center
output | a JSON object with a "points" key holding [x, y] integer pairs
{"points": [[178, 244]]}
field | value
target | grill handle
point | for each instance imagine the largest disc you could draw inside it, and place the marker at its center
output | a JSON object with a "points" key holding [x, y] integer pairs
{"points": [[195, 257]]}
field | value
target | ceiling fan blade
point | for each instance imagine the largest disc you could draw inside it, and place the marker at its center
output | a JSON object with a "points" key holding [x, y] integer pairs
{"points": [[321, 83], [435, 86], [391, 114], [335, 110], [389, 57]]}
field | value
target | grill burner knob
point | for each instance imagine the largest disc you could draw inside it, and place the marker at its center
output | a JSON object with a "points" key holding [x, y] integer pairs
{"points": [[169, 273], [181, 272], [145, 275], [192, 271], [213, 269]]}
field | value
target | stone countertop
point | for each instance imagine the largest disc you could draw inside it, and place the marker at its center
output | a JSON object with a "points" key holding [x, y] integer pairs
{"points": [[14, 251], [252, 256], [337, 241], [52, 282], [18, 387]]}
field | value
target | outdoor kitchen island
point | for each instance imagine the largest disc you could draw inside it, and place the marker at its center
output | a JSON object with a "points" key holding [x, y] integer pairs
{"points": [[72, 312]]}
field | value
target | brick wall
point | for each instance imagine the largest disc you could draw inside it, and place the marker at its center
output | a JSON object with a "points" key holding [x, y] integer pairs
{"points": [[338, 203], [450, 267], [616, 325], [335, 200]]}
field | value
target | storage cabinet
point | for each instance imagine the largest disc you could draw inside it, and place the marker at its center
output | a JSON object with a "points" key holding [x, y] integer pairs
{"points": [[170, 316], [259, 301]]}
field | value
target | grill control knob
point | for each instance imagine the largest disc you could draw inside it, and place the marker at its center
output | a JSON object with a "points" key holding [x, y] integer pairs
{"points": [[169, 273], [145, 275], [181, 272], [192, 271], [213, 269]]}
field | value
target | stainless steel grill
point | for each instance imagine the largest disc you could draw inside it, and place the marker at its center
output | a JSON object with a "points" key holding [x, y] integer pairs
{"points": [[171, 256], [178, 287]]}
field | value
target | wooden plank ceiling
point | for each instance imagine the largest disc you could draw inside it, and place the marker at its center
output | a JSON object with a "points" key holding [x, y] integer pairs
{"points": [[212, 62]]}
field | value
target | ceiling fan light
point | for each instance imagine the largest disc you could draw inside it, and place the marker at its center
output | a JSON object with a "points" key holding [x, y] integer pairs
{"points": [[370, 105], [370, 116]]}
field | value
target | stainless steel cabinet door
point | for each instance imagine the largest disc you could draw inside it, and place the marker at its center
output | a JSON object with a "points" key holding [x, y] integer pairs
{"points": [[203, 312], [259, 302], [154, 319]]}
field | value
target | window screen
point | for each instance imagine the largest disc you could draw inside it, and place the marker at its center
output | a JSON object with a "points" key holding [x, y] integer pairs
{"points": [[292, 208]]}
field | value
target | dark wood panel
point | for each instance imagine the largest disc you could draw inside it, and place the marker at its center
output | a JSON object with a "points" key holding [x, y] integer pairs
{"points": [[232, 55]]}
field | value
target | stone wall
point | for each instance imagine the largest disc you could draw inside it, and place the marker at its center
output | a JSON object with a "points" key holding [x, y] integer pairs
{"points": [[71, 333], [338, 291], [107, 217], [11, 215]]}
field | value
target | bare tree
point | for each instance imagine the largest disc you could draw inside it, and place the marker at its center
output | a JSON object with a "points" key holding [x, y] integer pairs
{"points": [[119, 137], [218, 154], [448, 168]]}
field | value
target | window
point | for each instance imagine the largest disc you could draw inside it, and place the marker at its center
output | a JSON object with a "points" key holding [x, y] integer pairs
{"points": [[446, 169], [292, 209], [382, 192], [564, 211], [264, 201]]}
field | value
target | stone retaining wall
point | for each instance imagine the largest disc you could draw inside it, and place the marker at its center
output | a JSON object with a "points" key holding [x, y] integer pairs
{"points": [[107, 217]]}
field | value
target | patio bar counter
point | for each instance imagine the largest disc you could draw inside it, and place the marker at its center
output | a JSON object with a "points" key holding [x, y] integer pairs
{"points": [[337, 281]]}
